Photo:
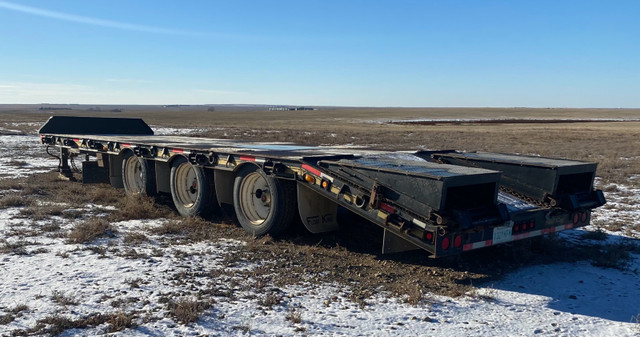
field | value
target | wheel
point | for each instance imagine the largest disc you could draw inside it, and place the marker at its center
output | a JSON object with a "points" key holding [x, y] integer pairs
{"points": [[138, 175], [262, 203], [192, 189]]}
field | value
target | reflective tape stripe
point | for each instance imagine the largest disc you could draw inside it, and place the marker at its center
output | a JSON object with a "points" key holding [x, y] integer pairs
{"points": [[317, 172], [312, 170], [326, 176], [516, 237], [477, 245], [419, 223], [253, 159]]}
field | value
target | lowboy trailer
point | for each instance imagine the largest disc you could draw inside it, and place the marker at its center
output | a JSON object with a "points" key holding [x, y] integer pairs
{"points": [[445, 202]]}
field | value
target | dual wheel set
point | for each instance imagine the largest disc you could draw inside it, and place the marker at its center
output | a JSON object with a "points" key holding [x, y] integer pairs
{"points": [[262, 204]]}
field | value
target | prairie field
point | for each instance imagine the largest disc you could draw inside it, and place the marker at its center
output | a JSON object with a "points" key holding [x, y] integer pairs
{"points": [[86, 259]]}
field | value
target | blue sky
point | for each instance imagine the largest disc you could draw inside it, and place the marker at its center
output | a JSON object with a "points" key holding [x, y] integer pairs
{"points": [[357, 53]]}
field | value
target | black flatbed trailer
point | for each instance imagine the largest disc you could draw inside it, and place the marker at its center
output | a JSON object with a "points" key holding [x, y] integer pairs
{"points": [[445, 202]]}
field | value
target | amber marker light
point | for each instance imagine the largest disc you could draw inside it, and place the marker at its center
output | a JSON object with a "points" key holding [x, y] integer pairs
{"points": [[309, 178]]}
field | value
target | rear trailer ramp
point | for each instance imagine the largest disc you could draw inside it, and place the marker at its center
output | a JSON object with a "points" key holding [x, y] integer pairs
{"points": [[444, 202], [557, 182], [405, 181]]}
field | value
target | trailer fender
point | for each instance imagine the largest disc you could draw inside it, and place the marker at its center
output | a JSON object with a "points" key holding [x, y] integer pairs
{"points": [[163, 173], [223, 181], [115, 171], [163, 176], [318, 214]]}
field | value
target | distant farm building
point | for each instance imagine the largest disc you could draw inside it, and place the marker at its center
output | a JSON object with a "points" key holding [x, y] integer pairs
{"points": [[289, 108]]}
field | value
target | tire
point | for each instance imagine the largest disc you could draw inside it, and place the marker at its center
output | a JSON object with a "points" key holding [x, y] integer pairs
{"points": [[263, 204], [192, 189], [138, 175]]}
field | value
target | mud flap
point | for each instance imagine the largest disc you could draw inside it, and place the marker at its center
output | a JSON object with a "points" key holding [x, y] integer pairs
{"points": [[92, 173], [392, 243], [115, 171], [318, 213]]}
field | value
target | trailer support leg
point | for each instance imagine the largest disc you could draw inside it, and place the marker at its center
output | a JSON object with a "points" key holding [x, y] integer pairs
{"points": [[63, 167]]}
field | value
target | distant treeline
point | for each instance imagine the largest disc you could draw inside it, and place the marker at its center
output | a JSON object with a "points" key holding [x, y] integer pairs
{"points": [[50, 108], [110, 110]]}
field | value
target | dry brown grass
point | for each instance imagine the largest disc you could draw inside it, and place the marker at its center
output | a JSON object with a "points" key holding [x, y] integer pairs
{"points": [[195, 229], [14, 201], [90, 230], [63, 299], [270, 299], [294, 316], [56, 324], [186, 310], [135, 238], [16, 247], [40, 212], [132, 207], [120, 321], [613, 145]]}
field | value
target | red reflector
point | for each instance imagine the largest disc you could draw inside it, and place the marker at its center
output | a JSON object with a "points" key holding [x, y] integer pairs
{"points": [[387, 208], [429, 236], [531, 225], [457, 242], [312, 169], [445, 243], [248, 158], [584, 216], [516, 228], [576, 218]]}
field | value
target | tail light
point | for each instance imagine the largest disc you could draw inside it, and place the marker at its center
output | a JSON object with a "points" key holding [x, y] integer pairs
{"points": [[445, 243], [429, 236], [457, 241]]}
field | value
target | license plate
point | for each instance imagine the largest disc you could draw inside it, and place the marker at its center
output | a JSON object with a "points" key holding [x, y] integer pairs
{"points": [[501, 234]]}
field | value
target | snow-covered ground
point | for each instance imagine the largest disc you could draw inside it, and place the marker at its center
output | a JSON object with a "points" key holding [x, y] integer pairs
{"points": [[167, 131], [44, 276], [23, 155]]}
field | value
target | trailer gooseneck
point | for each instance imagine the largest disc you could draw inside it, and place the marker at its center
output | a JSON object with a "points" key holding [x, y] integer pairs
{"points": [[444, 202]]}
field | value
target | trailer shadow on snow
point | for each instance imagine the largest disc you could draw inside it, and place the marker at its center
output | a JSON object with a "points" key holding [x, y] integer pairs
{"points": [[591, 278]]}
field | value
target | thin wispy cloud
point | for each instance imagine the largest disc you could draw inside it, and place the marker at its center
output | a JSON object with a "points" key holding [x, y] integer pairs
{"points": [[127, 80], [98, 22]]}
